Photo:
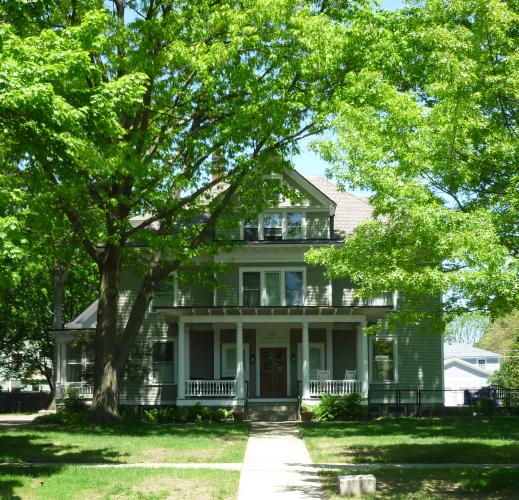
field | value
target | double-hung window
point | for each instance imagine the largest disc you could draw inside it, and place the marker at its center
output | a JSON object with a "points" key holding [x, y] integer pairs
{"points": [[163, 362], [272, 287], [272, 226], [383, 352], [294, 226], [250, 230]]}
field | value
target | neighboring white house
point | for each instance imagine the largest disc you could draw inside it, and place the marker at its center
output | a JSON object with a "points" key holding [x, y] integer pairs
{"points": [[466, 367]]}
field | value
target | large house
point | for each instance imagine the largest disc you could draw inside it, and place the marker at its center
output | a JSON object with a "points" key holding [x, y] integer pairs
{"points": [[275, 328]]}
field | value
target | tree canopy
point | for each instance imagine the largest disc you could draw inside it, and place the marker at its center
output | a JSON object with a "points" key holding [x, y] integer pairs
{"points": [[114, 118], [431, 129]]}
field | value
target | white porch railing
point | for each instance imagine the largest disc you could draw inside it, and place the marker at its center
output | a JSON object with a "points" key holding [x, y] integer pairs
{"points": [[211, 388], [335, 387], [84, 390]]}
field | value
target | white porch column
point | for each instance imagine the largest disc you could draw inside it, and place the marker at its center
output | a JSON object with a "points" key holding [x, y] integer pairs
{"points": [[181, 357], [306, 361], [362, 361], [216, 353], [329, 350], [187, 349], [240, 389]]}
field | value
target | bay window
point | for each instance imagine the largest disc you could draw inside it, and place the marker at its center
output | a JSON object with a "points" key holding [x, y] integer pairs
{"points": [[271, 287]]}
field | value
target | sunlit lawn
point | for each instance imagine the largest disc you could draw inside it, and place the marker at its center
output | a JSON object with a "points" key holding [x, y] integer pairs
{"points": [[125, 443], [137, 483], [433, 484], [431, 440]]}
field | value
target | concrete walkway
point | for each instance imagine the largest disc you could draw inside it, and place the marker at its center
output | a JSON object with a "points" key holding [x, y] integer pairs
{"points": [[16, 420], [278, 465]]}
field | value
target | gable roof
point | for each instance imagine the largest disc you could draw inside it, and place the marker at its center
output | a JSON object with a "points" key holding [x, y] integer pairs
{"points": [[465, 365], [314, 190], [351, 210], [87, 320], [459, 350]]}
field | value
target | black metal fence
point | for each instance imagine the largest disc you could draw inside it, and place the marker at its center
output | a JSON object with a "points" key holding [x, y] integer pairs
{"points": [[420, 402], [13, 402]]}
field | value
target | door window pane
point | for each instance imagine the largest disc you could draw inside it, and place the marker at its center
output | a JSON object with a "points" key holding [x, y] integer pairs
{"points": [[251, 289], [294, 288], [383, 360], [250, 230], [294, 226], [272, 226], [272, 286]]}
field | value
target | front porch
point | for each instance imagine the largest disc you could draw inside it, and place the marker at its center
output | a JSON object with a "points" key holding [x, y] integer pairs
{"points": [[226, 360]]}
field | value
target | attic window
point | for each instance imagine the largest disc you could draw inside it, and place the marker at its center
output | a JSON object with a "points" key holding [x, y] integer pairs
{"points": [[250, 230], [272, 226]]}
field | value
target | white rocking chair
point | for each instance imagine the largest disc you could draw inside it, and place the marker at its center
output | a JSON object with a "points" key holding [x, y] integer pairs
{"points": [[350, 375]]}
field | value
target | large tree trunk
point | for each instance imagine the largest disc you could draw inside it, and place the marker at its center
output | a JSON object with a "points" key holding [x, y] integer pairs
{"points": [[106, 372]]}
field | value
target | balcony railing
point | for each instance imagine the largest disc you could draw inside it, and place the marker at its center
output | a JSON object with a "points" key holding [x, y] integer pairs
{"points": [[211, 388], [335, 387]]}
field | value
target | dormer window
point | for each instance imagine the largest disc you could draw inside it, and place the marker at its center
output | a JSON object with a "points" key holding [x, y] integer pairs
{"points": [[250, 230], [272, 226], [294, 226]]}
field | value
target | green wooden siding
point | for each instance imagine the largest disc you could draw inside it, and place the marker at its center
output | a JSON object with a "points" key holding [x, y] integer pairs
{"points": [[317, 225]]}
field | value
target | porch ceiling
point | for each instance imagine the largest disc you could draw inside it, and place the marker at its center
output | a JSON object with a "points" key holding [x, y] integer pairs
{"points": [[266, 313]]}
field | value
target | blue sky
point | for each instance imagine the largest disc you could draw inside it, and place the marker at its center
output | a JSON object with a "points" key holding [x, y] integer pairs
{"points": [[309, 163]]}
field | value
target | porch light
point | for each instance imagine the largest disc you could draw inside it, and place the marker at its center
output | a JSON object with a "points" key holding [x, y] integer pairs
{"points": [[293, 358], [252, 359]]}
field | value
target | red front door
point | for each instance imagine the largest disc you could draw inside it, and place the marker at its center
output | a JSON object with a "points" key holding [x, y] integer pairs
{"points": [[273, 372]]}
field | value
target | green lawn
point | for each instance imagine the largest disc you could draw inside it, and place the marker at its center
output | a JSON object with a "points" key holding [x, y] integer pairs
{"points": [[125, 443], [431, 440], [434, 484], [137, 483]]}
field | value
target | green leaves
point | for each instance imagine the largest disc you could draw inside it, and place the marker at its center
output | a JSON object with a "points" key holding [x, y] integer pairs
{"points": [[430, 128]]}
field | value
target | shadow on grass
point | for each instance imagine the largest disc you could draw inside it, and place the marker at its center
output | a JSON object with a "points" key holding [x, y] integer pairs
{"points": [[24, 447], [455, 440], [450, 427], [435, 484], [457, 452]]}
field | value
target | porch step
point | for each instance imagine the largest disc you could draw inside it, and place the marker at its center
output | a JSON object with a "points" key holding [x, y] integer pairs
{"points": [[272, 412]]}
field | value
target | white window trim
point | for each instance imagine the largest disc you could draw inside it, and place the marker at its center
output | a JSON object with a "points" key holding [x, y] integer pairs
{"points": [[263, 291], [83, 363], [284, 220], [320, 346], [151, 379], [392, 338], [225, 346]]}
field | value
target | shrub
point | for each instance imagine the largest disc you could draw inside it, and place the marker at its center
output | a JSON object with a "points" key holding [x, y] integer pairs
{"points": [[72, 401], [339, 408], [307, 408], [64, 417], [162, 415], [193, 414]]}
